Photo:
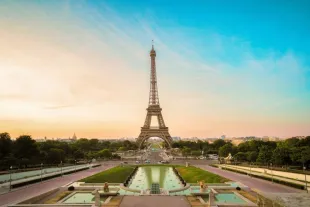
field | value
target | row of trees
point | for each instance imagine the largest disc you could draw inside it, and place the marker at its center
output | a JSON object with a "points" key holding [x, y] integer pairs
{"points": [[291, 151], [190, 148], [25, 151]]}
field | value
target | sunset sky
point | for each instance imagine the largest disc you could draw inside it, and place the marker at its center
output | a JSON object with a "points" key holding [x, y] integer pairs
{"points": [[238, 68]]}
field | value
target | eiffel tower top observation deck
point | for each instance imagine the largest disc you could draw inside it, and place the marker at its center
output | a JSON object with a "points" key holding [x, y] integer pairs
{"points": [[154, 109]]}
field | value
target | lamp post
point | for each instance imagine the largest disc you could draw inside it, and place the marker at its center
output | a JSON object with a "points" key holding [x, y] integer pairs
{"points": [[250, 169], [75, 165], [61, 167], [41, 170], [304, 169], [271, 172], [11, 177]]}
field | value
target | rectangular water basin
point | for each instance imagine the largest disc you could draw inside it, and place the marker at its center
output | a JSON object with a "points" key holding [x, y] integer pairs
{"points": [[163, 175], [82, 197], [225, 198]]}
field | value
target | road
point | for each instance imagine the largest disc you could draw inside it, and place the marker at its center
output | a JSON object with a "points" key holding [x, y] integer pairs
{"points": [[29, 191], [253, 183]]}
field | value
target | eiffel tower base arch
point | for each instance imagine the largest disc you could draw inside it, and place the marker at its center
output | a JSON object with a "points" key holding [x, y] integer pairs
{"points": [[147, 133]]}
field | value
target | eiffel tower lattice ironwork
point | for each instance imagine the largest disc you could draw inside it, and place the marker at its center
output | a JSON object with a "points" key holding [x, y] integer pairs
{"points": [[154, 109]]}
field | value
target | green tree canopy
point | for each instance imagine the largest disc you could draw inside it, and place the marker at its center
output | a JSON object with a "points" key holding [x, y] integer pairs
{"points": [[265, 154], [25, 147], [5, 145]]}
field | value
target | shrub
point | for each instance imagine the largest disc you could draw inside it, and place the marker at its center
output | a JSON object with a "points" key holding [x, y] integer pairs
{"points": [[71, 188]]}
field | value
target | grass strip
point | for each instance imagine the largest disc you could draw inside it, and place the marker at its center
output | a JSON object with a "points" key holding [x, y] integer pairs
{"points": [[114, 175], [193, 174]]}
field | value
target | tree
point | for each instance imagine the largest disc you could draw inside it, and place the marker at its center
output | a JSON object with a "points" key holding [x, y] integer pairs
{"points": [[78, 154], [105, 153], [94, 144], [240, 156], [305, 155], [5, 145], [300, 155], [25, 147], [225, 150], [264, 155], [196, 153], [218, 143], [55, 156], [122, 149], [281, 155], [116, 156], [186, 151], [252, 156]]}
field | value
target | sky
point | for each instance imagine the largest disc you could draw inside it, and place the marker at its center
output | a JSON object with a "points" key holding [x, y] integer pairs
{"points": [[239, 68]]}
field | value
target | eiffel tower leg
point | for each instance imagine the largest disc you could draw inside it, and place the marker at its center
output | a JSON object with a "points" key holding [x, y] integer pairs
{"points": [[161, 122], [147, 122]]}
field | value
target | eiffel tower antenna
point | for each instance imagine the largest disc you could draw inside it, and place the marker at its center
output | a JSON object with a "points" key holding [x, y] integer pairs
{"points": [[154, 110]]}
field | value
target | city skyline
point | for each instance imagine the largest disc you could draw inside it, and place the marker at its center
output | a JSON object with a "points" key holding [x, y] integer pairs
{"points": [[239, 69]]}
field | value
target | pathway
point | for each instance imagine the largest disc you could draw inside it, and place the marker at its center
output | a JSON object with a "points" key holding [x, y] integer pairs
{"points": [[253, 183], [279, 175], [154, 201], [29, 191]]}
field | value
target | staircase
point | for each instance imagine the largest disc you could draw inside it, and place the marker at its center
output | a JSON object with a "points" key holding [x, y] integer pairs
{"points": [[155, 188]]}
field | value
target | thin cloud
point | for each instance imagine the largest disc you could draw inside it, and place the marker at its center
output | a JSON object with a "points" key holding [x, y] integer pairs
{"points": [[59, 107]]}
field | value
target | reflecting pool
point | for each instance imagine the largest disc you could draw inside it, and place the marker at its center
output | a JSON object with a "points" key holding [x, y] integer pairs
{"points": [[163, 175]]}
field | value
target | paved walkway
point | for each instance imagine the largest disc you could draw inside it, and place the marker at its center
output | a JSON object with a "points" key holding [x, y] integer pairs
{"points": [[154, 201], [29, 191], [285, 176], [253, 183]]}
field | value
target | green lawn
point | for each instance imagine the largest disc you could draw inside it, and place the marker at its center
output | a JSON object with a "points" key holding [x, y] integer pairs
{"points": [[193, 174], [113, 175]]}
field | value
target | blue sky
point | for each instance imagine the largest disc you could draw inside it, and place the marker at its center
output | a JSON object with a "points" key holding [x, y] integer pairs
{"points": [[234, 67], [269, 25]]}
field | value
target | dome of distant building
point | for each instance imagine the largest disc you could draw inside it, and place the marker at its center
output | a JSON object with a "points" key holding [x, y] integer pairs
{"points": [[74, 137]]}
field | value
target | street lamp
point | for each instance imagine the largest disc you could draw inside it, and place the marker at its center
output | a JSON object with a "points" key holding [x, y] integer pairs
{"points": [[41, 171], [271, 172], [61, 167], [75, 165], [304, 168], [250, 169], [11, 177]]}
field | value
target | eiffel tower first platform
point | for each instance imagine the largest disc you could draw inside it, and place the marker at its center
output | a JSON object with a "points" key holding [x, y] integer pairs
{"points": [[154, 109]]}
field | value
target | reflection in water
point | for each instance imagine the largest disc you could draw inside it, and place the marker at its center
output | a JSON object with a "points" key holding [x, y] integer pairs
{"points": [[147, 175]]}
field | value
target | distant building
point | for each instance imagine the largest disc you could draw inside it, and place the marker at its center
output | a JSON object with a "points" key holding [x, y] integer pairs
{"points": [[74, 137], [176, 139], [223, 136]]}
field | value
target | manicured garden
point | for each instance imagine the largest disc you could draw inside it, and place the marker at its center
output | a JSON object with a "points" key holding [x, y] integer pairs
{"points": [[193, 175], [120, 174], [114, 175]]}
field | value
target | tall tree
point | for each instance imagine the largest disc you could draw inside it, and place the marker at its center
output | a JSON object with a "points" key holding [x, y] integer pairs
{"points": [[5, 145], [264, 155], [226, 149], [281, 155], [25, 147]]}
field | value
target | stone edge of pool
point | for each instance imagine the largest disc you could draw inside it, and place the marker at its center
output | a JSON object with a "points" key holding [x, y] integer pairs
{"points": [[247, 201], [62, 201]]}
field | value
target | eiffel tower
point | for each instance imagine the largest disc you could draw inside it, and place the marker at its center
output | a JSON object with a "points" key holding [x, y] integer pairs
{"points": [[154, 109]]}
